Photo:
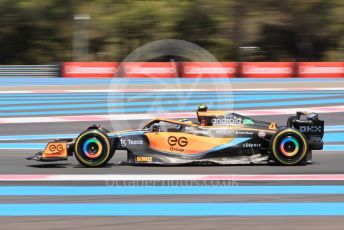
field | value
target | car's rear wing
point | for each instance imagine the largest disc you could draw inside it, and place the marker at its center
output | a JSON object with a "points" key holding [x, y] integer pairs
{"points": [[310, 125]]}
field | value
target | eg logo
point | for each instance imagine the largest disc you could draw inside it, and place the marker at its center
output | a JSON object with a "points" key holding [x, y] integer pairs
{"points": [[56, 148], [182, 141]]}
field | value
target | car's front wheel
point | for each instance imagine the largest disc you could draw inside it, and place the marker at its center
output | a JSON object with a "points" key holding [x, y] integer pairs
{"points": [[93, 148], [289, 147]]}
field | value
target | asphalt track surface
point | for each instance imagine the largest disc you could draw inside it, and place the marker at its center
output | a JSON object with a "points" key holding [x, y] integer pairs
{"points": [[14, 162], [258, 223], [47, 101]]}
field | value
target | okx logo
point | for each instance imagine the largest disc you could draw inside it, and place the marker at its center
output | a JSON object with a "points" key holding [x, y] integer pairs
{"points": [[311, 129], [181, 141]]}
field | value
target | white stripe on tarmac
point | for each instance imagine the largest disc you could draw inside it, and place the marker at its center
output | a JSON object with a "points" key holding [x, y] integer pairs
{"points": [[164, 90], [148, 116], [174, 177]]}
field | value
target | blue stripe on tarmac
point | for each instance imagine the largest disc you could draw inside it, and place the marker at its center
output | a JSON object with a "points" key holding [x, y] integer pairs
{"points": [[117, 104], [333, 137], [22, 145], [46, 101], [241, 96], [333, 148], [51, 95], [126, 101], [168, 190], [176, 108], [101, 101], [334, 128], [194, 93], [174, 209]]}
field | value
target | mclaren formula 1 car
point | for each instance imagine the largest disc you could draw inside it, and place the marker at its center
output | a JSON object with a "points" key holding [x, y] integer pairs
{"points": [[218, 137]]}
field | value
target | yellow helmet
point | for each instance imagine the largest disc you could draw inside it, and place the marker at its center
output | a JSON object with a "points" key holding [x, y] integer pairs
{"points": [[202, 108]]}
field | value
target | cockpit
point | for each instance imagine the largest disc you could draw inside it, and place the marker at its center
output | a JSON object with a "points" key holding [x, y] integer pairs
{"points": [[224, 118], [205, 118], [159, 125]]}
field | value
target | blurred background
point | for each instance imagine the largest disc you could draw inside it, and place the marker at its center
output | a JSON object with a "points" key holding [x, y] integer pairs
{"points": [[40, 31]]}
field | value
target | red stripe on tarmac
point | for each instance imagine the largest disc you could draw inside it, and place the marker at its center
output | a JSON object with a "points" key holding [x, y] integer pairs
{"points": [[22, 177], [291, 177]]}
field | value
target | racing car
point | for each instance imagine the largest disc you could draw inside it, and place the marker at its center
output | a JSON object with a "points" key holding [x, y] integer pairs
{"points": [[216, 137]]}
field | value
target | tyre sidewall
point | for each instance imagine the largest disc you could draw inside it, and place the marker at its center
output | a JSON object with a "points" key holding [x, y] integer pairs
{"points": [[276, 154], [105, 155]]}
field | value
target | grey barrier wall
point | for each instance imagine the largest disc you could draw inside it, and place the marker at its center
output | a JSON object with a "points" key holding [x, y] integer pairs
{"points": [[45, 71]]}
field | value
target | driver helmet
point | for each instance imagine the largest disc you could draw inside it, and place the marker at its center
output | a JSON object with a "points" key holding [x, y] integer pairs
{"points": [[156, 128], [202, 108]]}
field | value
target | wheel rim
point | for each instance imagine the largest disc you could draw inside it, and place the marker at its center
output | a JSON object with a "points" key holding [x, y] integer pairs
{"points": [[289, 146], [92, 148]]}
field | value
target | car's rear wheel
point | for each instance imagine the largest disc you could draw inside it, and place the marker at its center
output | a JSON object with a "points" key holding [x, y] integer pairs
{"points": [[289, 147], [93, 148]]}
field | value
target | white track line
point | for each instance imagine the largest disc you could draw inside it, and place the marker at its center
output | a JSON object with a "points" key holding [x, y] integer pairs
{"points": [[148, 177], [165, 90]]}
